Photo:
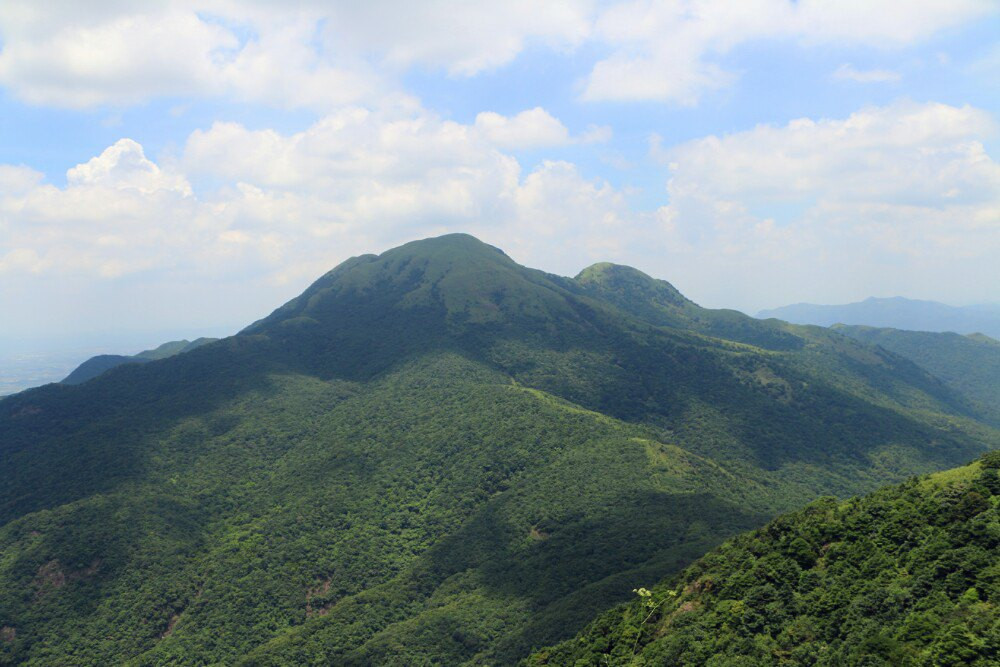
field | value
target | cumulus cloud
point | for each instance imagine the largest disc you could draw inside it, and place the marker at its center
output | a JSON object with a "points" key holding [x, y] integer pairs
{"points": [[18, 178], [123, 166], [905, 153], [122, 54], [323, 54], [289, 205], [527, 129], [908, 185], [534, 128], [669, 50], [65, 59], [746, 214], [370, 178], [364, 167], [465, 37], [119, 213], [288, 54]]}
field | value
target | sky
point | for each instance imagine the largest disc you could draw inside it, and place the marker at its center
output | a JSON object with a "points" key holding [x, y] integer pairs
{"points": [[186, 166]]}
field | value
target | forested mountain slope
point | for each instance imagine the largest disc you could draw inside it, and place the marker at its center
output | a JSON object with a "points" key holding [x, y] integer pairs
{"points": [[431, 455], [95, 366], [905, 576], [969, 364]]}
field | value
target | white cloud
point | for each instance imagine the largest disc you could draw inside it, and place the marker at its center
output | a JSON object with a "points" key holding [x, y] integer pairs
{"points": [[322, 54], [282, 66], [908, 186], [124, 53], [365, 179], [528, 129], [810, 209], [287, 54], [534, 128], [463, 37], [847, 72], [23, 260], [119, 58], [124, 166], [667, 50], [905, 153], [18, 179], [398, 163], [290, 205]]}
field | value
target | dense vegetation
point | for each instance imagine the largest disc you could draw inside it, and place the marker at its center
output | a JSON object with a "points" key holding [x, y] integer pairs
{"points": [[905, 576], [970, 364], [95, 366], [431, 456]]}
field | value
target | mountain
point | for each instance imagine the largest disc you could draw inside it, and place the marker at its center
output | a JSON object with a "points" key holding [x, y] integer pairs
{"points": [[969, 364], [658, 302], [173, 347], [433, 455], [896, 313], [95, 366], [905, 576]]}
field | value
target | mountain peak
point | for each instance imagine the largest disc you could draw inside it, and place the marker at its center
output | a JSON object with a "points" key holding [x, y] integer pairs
{"points": [[456, 291], [603, 271], [436, 293], [627, 285], [451, 246]]}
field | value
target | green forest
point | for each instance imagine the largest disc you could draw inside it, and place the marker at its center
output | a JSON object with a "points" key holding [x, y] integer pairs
{"points": [[905, 576], [438, 456], [969, 364]]}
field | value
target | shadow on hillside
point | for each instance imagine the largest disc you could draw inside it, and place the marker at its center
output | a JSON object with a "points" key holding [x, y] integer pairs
{"points": [[582, 566], [787, 417], [63, 443]]}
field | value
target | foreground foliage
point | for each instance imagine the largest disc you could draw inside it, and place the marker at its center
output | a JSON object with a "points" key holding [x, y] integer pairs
{"points": [[905, 576]]}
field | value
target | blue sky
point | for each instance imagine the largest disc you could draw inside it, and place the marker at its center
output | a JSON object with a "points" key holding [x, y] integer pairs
{"points": [[189, 165]]}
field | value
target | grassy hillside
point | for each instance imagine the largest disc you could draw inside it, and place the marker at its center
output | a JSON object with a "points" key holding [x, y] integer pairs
{"points": [[969, 364], [434, 455], [905, 576]]}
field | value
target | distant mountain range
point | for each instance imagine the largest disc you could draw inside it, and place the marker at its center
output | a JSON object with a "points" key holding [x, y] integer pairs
{"points": [[897, 313], [436, 455], [98, 365]]}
